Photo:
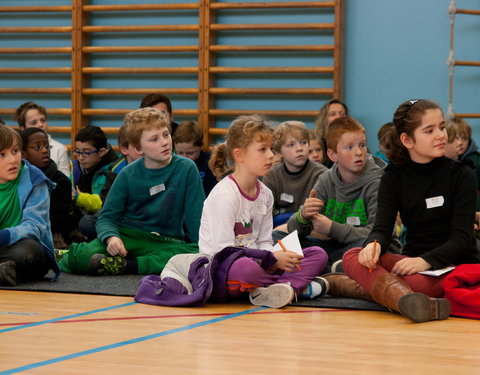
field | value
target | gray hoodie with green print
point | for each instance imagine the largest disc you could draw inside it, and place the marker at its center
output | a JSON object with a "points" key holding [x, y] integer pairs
{"points": [[351, 207]]}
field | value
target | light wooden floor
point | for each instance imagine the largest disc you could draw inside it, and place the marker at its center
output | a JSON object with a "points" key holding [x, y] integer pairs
{"points": [[50, 333]]}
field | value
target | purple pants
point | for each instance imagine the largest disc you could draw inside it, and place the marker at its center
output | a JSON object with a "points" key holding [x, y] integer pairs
{"points": [[246, 274]]}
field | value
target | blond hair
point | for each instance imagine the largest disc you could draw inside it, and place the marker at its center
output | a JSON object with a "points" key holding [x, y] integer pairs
{"points": [[297, 129], [462, 126], [242, 131], [143, 119]]}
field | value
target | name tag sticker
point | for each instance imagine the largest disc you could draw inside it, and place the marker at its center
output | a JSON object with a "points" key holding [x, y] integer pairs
{"points": [[157, 189], [260, 209], [286, 197], [435, 201], [353, 220]]}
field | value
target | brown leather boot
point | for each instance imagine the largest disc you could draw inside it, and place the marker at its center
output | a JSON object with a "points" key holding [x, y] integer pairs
{"points": [[340, 285], [394, 293]]}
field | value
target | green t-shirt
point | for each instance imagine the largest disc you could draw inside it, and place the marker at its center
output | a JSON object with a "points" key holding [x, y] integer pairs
{"points": [[10, 213]]}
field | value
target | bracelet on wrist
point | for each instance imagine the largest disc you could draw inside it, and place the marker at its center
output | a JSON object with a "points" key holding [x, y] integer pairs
{"points": [[300, 218]]}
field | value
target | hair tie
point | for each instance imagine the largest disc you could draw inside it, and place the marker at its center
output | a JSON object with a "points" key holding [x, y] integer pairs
{"points": [[412, 103]]}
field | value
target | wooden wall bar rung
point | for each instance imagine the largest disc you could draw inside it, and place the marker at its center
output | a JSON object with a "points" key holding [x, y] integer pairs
{"points": [[111, 129], [36, 50], [468, 115], [130, 7], [208, 46], [468, 11], [35, 30], [217, 131], [35, 70], [130, 28], [226, 48], [467, 63], [51, 111], [89, 91], [122, 111], [95, 70], [30, 9], [238, 112], [59, 129], [287, 4], [35, 90], [220, 70], [265, 91], [272, 26], [140, 49]]}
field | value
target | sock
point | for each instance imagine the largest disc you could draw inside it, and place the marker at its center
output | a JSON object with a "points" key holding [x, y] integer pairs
{"points": [[317, 288]]}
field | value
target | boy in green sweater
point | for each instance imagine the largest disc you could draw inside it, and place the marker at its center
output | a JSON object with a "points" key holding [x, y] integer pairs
{"points": [[142, 223]]}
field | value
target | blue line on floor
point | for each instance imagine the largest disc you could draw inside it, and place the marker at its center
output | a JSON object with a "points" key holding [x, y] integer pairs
{"points": [[129, 342], [65, 317]]}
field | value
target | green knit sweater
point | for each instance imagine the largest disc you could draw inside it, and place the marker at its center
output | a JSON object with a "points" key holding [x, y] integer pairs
{"points": [[164, 201]]}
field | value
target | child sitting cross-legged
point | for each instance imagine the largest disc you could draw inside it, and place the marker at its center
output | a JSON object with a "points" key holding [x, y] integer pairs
{"points": [[291, 180], [36, 149], [342, 205], [238, 214], [435, 196], [151, 201], [26, 245], [92, 176]]}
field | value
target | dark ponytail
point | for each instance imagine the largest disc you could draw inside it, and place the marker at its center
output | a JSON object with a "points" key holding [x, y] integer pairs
{"points": [[406, 119]]}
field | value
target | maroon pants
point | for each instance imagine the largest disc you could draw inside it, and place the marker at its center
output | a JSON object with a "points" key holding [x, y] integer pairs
{"points": [[429, 285]]}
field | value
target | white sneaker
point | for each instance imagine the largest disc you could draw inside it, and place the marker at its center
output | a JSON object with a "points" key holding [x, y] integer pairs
{"points": [[337, 266], [275, 295]]}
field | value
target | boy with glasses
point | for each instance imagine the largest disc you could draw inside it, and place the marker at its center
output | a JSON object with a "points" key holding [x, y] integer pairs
{"points": [[92, 175]]}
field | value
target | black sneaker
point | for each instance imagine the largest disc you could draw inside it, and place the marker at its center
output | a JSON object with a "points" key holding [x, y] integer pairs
{"points": [[8, 273], [103, 265]]}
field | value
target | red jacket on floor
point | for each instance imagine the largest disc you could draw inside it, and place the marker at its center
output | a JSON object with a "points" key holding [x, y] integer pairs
{"points": [[462, 289]]}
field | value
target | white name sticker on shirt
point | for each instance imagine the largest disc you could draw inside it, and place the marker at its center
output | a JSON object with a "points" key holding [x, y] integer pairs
{"points": [[157, 189], [435, 201], [260, 209], [286, 197], [353, 220]]}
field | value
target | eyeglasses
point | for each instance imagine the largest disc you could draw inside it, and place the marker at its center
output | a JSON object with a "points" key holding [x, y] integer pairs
{"points": [[40, 147], [85, 154]]}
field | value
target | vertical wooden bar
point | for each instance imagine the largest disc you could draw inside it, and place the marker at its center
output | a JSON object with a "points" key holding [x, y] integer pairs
{"points": [[339, 52], [79, 60], [201, 67], [208, 16]]}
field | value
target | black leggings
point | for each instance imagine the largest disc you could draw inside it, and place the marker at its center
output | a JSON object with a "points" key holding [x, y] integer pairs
{"points": [[32, 262]]}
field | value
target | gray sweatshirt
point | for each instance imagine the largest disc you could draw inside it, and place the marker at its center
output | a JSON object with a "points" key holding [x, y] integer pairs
{"points": [[351, 207]]}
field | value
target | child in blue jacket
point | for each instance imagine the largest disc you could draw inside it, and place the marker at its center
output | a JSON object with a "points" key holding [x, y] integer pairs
{"points": [[26, 246]]}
